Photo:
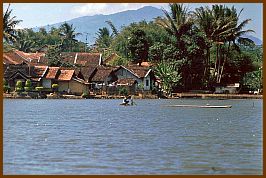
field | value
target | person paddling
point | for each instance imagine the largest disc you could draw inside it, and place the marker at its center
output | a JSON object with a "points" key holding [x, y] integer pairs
{"points": [[125, 100]]}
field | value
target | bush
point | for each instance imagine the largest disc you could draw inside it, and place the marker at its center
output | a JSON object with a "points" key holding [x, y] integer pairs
{"points": [[39, 88], [28, 86], [55, 87], [85, 95], [6, 88], [19, 84], [28, 83], [27, 89], [123, 91], [18, 89], [5, 82]]}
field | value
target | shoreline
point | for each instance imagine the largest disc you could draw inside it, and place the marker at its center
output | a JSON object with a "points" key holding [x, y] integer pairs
{"points": [[174, 96]]}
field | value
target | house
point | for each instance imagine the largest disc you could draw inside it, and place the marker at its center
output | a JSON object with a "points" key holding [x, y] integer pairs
{"points": [[68, 82], [129, 83], [228, 89], [143, 75], [23, 72], [102, 77], [50, 77]]}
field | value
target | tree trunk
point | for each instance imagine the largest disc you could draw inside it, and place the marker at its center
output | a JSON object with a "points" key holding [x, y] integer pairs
{"points": [[228, 49]]}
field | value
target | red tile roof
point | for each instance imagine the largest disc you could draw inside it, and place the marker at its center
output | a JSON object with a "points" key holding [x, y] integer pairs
{"points": [[66, 75], [82, 58], [101, 74], [52, 72], [12, 58]]}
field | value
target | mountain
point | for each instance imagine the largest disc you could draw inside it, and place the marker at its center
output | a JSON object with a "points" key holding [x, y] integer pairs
{"points": [[256, 40], [91, 24]]}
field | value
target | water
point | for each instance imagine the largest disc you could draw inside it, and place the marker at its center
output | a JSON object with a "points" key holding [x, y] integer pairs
{"points": [[101, 137]]}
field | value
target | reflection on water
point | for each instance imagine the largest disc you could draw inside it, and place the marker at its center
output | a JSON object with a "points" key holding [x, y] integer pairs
{"points": [[101, 137]]}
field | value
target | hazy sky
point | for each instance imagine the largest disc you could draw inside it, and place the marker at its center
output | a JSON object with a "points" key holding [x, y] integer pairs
{"points": [[39, 14]]}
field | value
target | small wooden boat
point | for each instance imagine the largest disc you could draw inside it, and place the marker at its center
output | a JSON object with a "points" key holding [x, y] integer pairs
{"points": [[125, 104], [201, 106]]}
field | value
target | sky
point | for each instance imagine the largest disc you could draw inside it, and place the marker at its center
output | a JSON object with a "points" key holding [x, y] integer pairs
{"points": [[40, 14]]}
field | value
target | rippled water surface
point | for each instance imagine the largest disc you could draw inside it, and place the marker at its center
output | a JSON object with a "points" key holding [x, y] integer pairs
{"points": [[102, 137]]}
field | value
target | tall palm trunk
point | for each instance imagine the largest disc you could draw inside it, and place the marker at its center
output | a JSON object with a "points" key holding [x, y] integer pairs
{"points": [[226, 57]]}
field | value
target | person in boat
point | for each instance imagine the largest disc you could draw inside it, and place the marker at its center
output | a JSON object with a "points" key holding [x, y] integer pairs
{"points": [[125, 100]]}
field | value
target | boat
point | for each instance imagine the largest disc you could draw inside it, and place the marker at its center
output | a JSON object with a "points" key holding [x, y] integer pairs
{"points": [[201, 106], [125, 104]]}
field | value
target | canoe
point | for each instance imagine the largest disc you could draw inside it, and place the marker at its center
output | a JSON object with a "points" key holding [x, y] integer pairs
{"points": [[201, 106], [125, 104]]}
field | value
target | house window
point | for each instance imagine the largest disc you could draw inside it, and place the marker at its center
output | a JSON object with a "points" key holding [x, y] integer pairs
{"points": [[147, 82]]}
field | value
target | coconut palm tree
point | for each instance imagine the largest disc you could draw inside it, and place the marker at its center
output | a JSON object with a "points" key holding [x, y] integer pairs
{"points": [[235, 37], [177, 22], [9, 24], [114, 29], [68, 35], [104, 38]]}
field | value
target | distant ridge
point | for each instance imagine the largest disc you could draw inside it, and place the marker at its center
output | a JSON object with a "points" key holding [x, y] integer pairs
{"points": [[91, 24]]}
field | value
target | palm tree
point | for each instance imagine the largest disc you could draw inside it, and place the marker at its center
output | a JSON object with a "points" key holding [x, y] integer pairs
{"points": [[114, 29], [9, 24], [235, 37], [205, 22], [24, 43], [68, 35], [177, 22], [104, 38], [219, 25]]}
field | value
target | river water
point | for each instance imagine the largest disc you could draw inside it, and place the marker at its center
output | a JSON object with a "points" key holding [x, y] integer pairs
{"points": [[77, 137]]}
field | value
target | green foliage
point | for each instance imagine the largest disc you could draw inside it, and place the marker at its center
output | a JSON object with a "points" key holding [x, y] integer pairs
{"points": [[39, 88], [28, 86], [19, 87], [55, 86], [123, 91], [27, 89], [167, 72], [138, 45], [6, 88], [9, 26], [103, 39], [28, 83], [5, 83], [253, 80], [53, 56], [85, 94], [68, 35], [119, 61]]}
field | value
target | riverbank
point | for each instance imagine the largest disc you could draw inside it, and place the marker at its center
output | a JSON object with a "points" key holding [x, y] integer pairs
{"points": [[174, 96]]}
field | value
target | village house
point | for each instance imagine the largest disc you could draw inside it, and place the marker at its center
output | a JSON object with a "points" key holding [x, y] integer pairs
{"points": [[89, 74], [69, 83], [143, 76], [23, 72]]}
